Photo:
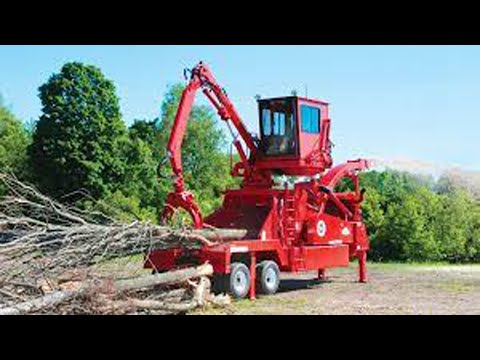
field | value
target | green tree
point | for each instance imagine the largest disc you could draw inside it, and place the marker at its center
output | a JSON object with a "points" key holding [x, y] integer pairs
{"points": [[374, 218], [400, 211], [79, 139], [121, 207], [454, 225], [473, 233], [141, 178], [415, 218], [14, 140], [147, 131], [406, 234]]}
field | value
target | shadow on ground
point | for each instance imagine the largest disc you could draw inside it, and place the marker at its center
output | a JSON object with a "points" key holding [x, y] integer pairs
{"points": [[288, 285]]}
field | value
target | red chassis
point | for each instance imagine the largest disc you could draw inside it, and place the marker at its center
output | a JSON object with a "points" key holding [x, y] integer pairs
{"points": [[296, 226]]}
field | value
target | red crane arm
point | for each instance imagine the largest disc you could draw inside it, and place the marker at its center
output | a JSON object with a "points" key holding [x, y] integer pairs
{"points": [[178, 131], [201, 77]]}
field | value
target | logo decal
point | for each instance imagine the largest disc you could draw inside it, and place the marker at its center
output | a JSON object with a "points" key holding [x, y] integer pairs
{"points": [[321, 228]]}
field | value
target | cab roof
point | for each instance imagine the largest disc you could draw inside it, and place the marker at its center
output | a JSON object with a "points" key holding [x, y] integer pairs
{"points": [[295, 97]]}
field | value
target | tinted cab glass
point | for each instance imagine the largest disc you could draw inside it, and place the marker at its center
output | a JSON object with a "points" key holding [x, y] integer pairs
{"points": [[278, 127]]}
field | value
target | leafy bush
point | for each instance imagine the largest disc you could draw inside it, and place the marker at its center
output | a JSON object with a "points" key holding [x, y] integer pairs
{"points": [[408, 220], [122, 207], [14, 140]]}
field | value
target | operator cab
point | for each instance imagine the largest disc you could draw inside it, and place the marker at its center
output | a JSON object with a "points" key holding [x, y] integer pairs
{"points": [[294, 135]]}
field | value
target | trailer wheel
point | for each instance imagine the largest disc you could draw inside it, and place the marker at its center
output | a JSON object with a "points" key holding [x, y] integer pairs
{"points": [[239, 280], [268, 279]]}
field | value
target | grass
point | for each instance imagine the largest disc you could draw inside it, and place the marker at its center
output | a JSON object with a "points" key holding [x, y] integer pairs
{"points": [[456, 287], [393, 266], [414, 265], [123, 267], [261, 305]]}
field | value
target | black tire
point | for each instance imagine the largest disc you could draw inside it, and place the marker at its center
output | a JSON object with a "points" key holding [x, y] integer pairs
{"points": [[268, 277], [220, 284], [239, 280]]}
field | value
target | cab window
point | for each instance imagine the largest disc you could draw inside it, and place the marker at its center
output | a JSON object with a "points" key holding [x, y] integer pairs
{"points": [[310, 119], [278, 127]]}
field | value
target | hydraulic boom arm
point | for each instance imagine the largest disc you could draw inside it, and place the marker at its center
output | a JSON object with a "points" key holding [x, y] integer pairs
{"points": [[201, 77]]}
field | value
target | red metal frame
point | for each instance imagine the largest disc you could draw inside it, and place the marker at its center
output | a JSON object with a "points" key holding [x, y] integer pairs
{"points": [[307, 227]]}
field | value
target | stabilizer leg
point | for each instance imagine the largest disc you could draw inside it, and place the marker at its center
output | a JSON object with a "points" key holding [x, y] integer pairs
{"points": [[322, 274], [362, 266], [253, 275]]}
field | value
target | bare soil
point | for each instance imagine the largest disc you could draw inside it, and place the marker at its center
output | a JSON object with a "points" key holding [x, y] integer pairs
{"points": [[392, 289]]}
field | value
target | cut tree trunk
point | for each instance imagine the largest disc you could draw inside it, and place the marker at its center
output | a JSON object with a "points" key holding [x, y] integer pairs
{"points": [[221, 234], [168, 278], [213, 234], [58, 297], [46, 301]]}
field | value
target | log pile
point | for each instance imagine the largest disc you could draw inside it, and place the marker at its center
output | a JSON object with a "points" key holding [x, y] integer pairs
{"points": [[51, 258]]}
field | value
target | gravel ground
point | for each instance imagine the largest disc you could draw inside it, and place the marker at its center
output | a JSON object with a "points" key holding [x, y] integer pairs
{"points": [[392, 289]]}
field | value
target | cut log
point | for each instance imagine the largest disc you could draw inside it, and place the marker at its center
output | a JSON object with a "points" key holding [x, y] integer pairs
{"points": [[127, 306], [163, 306], [58, 297], [168, 278], [221, 234], [202, 291], [41, 303], [212, 234]]}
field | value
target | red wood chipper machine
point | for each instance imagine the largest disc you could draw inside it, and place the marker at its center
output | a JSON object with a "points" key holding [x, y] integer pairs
{"points": [[297, 223]]}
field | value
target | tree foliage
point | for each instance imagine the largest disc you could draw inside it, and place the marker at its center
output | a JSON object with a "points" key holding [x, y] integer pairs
{"points": [[410, 220], [206, 166], [14, 140], [79, 138]]}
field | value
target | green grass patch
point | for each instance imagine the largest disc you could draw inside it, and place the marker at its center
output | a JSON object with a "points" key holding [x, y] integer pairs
{"points": [[412, 265], [269, 305], [455, 287], [261, 306], [127, 266]]}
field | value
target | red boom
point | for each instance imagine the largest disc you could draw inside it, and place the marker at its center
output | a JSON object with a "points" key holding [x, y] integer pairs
{"points": [[201, 77]]}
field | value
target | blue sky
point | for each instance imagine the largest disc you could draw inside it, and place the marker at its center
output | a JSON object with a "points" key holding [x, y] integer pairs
{"points": [[415, 102]]}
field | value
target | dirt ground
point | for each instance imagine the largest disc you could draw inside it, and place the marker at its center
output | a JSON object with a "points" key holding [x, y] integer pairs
{"points": [[392, 289]]}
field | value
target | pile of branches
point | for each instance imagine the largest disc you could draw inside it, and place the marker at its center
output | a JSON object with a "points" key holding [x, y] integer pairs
{"points": [[51, 258]]}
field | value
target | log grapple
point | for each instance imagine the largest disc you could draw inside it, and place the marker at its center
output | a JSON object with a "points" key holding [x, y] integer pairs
{"points": [[294, 218]]}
